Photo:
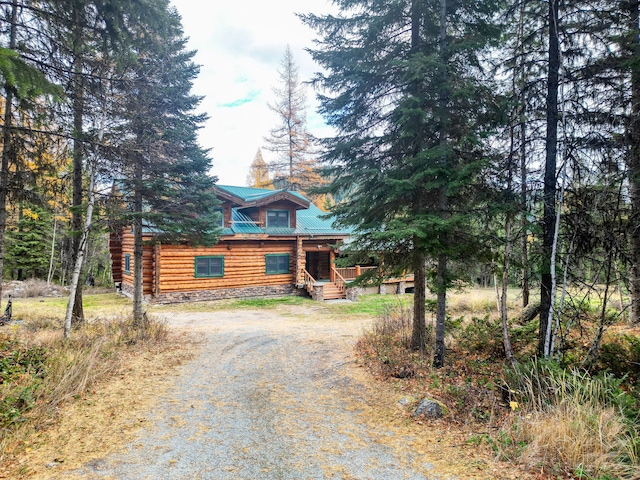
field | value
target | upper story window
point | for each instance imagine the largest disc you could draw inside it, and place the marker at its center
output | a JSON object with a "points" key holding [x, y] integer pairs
{"points": [[278, 218]]}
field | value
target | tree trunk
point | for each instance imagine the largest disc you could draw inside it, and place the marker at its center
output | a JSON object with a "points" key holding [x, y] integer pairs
{"points": [[78, 155], [506, 338], [419, 333], [77, 269], [441, 312], [138, 315], [633, 166], [523, 206], [53, 249], [7, 146], [549, 199], [441, 277]]}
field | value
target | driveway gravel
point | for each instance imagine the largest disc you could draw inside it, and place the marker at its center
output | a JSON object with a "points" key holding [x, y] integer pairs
{"points": [[272, 394]]}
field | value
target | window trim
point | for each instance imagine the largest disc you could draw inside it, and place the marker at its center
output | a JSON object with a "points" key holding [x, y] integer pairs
{"points": [[127, 263], [277, 272], [195, 266], [288, 212]]}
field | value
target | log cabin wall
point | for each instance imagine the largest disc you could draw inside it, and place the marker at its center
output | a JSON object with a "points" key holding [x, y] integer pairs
{"points": [[244, 265], [148, 264], [115, 252]]}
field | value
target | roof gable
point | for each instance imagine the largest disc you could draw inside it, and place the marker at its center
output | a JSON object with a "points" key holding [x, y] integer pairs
{"points": [[245, 197]]}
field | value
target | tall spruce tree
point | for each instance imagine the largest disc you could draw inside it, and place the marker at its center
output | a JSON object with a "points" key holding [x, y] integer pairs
{"points": [[81, 43], [405, 89], [165, 179]]}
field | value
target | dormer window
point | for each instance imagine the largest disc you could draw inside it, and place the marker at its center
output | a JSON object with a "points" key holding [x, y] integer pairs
{"points": [[278, 218]]}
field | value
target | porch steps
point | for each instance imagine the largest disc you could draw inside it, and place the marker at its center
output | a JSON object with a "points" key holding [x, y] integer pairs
{"points": [[333, 292]]}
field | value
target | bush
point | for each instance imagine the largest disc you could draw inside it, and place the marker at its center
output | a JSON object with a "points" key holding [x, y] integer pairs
{"points": [[22, 370], [620, 355], [386, 347], [482, 335]]}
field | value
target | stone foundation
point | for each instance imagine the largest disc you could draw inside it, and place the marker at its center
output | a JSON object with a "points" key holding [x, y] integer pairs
{"points": [[224, 293], [318, 292], [218, 294]]}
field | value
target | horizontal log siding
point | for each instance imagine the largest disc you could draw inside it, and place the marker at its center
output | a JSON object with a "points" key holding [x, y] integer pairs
{"points": [[115, 251], [244, 266], [148, 263]]}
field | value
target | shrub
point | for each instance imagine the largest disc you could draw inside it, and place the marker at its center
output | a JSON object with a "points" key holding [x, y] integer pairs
{"points": [[386, 347], [482, 335], [620, 355]]}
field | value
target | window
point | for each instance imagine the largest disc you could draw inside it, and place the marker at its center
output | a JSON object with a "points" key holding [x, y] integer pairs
{"points": [[221, 219], [209, 266], [277, 263], [127, 263], [278, 218]]}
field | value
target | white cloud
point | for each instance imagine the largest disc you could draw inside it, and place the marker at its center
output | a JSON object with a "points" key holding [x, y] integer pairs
{"points": [[240, 46]]}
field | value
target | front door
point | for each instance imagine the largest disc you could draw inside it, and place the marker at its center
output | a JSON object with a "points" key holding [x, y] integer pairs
{"points": [[317, 264]]}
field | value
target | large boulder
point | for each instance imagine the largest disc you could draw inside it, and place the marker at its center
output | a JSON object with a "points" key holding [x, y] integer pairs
{"points": [[430, 408]]}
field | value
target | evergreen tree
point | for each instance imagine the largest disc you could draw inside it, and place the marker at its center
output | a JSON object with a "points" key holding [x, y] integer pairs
{"points": [[165, 180], [27, 243], [411, 104], [24, 88]]}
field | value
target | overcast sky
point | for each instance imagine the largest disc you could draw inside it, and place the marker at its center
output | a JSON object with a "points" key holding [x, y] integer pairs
{"points": [[240, 46]]}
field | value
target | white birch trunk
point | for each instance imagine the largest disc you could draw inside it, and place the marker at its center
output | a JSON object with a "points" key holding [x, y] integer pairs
{"points": [[53, 250], [77, 269]]}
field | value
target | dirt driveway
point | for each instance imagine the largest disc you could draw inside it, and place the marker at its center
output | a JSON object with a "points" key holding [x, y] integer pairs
{"points": [[274, 394]]}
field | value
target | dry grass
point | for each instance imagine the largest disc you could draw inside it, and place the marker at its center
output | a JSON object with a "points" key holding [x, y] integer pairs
{"points": [[576, 438], [53, 372], [480, 301], [574, 423], [566, 423]]}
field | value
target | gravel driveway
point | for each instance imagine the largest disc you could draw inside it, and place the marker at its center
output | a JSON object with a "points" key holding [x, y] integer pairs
{"points": [[271, 395]]}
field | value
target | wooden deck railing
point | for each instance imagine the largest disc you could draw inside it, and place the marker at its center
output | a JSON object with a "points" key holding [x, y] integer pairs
{"points": [[339, 280], [351, 273], [309, 281]]}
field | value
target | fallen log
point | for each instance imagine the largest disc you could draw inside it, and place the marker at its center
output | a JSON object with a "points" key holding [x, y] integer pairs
{"points": [[530, 312]]}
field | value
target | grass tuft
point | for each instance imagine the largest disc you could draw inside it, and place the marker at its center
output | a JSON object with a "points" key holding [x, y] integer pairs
{"points": [[40, 370]]}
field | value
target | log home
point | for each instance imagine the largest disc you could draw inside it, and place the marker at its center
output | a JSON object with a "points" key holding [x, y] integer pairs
{"points": [[273, 242]]}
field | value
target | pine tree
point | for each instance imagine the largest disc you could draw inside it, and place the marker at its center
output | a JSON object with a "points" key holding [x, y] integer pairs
{"points": [[290, 140], [27, 245], [165, 179], [411, 103], [24, 87]]}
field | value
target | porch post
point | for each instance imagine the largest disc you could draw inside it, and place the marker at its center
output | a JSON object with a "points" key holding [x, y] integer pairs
{"points": [[300, 258], [332, 262]]}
